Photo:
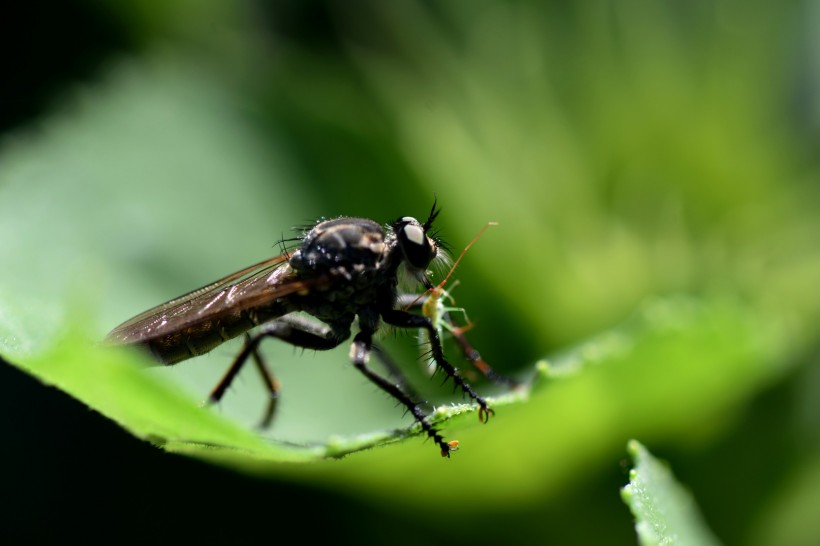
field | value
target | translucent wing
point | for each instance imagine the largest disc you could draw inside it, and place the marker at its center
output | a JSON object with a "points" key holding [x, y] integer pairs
{"points": [[250, 287]]}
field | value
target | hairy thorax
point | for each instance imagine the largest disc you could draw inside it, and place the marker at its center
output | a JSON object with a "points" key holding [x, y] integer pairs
{"points": [[354, 253]]}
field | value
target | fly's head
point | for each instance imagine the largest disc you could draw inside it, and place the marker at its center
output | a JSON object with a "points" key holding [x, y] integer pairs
{"points": [[417, 247]]}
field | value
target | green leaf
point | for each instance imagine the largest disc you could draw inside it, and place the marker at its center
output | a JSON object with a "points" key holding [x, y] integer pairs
{"points": [[665, 511], [154, 183], [125, 194]]}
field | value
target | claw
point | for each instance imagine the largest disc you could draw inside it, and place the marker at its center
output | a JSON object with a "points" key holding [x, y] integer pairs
{"points": [[484, 414]]}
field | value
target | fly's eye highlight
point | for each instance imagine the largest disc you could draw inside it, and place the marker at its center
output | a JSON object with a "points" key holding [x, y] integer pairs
{"points": [[417, 247]]}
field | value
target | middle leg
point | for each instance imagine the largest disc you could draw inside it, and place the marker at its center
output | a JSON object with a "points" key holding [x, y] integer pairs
{"points": [[359, 353]]}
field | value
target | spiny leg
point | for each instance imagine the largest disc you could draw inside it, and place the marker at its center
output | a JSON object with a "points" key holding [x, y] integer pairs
{"points": [[474, 357], [295, 331], [394, 370], [412, 301], [403, 319], [359, 352]]}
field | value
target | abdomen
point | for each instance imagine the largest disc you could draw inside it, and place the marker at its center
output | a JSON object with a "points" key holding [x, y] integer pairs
{"points": [[201, 337]]}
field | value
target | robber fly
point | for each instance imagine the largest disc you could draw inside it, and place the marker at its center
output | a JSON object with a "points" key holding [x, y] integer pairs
{"points": [[342, 270]]}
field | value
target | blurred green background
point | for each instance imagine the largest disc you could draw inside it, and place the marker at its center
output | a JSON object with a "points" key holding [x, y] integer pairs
{"points": [[644, 159]]}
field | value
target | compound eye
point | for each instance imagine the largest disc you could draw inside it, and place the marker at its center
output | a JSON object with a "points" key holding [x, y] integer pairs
{"points": [[417, 247]]}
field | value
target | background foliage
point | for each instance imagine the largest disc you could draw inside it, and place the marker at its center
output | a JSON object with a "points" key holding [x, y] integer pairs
{"points": [[653, 169]]}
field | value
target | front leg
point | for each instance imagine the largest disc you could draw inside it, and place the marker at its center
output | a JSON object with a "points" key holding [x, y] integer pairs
{"points": [[403, 319], [359, 354], [414, 301]]}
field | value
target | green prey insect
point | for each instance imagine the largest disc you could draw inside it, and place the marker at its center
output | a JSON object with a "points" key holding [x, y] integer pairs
{"points": [[438, 305]]}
